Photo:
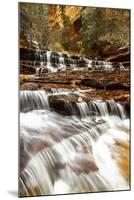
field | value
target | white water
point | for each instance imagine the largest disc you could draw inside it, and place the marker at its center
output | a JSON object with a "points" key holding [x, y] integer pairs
{"points": [[72, 153], [48, 66], [62, 64], [30, 100], [63, 90]]}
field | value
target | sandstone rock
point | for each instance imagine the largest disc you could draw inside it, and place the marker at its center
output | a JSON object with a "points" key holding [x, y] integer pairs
{"points": [[122, 57], [72, 12], [103, 85], [64, 104], [124, 49], [29, 86], [91, 83], [27, 69], [104, 49], [27, 54]]}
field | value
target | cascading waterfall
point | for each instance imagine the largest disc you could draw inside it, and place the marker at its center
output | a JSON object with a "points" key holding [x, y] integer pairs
{"points": [[30, 100], [70, 154], [62, 63], [39, 70], [49, 65], [52, 62], [63, 90]]}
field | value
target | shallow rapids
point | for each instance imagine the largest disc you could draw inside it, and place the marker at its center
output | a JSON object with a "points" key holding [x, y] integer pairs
{"points": [[51, 62], [72, 154]]}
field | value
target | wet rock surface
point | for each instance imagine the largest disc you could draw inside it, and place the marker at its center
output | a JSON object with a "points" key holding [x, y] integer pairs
{"points": [[96, 85], [121, 57], [104, 85], [74, 111]]}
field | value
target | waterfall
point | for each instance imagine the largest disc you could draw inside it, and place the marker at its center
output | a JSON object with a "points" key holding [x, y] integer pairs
{"points": [[37, 73], [62, 63], [49, 66], [71, 140], [33, 100], [51, 62], [73, 64], [63, 90], [71, 154], [83, 108], [48, 56], [38, 100]]}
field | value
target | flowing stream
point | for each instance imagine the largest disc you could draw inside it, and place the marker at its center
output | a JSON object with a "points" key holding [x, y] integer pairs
{"points": [[72, 153], [55, 61]]}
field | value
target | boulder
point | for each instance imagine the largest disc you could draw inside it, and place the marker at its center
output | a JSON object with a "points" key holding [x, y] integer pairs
{"points": [[64, 104], [110, 50], [102, 85], [91, 83], [104, 49], [121, 57]]}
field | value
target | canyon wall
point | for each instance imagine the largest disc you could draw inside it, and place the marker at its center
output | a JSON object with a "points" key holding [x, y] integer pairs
{"points": [[73, 12]]}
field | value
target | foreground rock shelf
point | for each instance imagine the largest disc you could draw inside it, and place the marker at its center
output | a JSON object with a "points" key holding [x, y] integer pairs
{"points": [[62, 103], [67, 103], [104, 85], [83, 79]]}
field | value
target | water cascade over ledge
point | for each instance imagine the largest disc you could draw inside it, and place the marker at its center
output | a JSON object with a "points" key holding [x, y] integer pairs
{"points": [[80, 151], [51, 62]]}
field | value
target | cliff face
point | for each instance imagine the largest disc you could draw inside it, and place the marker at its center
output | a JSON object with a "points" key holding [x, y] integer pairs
{"points": [[96, 32], [73, 12]]}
